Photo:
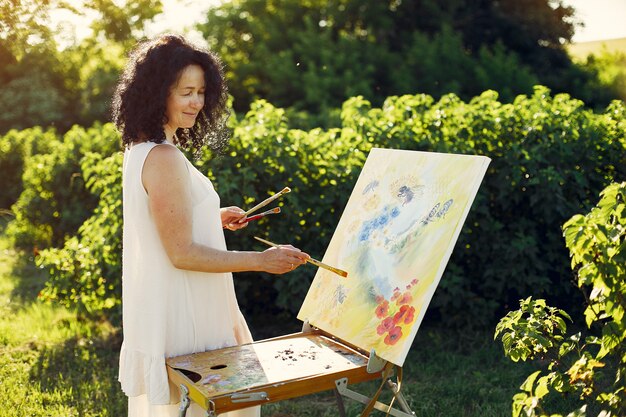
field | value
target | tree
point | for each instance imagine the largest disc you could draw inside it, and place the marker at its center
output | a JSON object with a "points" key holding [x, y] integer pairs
{"points": [[609, 69], [312, 55], [100, 57], [124, 22], [23, 25], [308, 54], [30, 77], [43, 85]]}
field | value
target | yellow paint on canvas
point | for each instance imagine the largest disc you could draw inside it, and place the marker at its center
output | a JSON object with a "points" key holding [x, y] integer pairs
{"points": [[394, 240]]}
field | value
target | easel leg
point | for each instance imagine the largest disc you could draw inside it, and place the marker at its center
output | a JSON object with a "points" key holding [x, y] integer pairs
{"points": [[184, 401], [342, 388], [340, 405], [399, 397]]}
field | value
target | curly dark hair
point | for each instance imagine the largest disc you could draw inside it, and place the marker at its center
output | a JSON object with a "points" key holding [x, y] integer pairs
{"points": [[139, 102]]}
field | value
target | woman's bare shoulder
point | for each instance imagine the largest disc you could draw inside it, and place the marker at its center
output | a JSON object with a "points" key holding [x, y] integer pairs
{"points": [[164, 153], [163, 163]]}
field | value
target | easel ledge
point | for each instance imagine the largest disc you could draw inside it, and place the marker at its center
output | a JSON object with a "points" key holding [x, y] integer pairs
{"points": [[338, 364]]}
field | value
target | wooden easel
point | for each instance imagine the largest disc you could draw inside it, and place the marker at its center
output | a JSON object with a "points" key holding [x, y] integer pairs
{"points": [[415, 205], [277, 369]]}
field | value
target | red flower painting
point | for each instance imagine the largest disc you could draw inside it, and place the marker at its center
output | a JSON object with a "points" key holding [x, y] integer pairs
{"points": [[385, 326], [395, 313], [382, 309], [394, 335], [405, 298], [405, 315]]}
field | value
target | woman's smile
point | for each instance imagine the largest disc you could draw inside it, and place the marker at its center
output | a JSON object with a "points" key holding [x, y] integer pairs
{"points": [[185, 100]]}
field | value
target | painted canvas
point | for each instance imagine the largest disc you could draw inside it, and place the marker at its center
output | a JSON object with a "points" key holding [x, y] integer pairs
{"points": [[394, 239]]}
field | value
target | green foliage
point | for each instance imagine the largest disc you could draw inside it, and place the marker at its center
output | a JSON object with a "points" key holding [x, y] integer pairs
{"points": [[52, 363], [54, 201], [309, 55], [532, 330], [51, 204], [592, 367], [303, 56], [46, 84], [121, 21], [32, 77], [30, 100], [550, 157], [22, 25], [15, 147], [314, 55], [33, 86], [610, 70], [597, 243], [100, 64], [440, 64], [86, 272], [545, 153], [493, 72]]}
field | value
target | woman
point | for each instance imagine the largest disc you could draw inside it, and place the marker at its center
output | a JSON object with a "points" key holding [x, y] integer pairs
{"points": [[178, 295]]}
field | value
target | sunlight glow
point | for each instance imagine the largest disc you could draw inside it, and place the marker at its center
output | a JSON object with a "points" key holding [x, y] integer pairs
{"points": [[178, 16], [604, 19]]}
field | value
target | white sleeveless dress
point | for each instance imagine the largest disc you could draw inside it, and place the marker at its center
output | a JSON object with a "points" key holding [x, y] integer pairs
{"points": [[168, 311]]}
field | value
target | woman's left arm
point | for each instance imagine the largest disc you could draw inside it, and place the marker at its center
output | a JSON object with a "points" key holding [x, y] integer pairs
{"points": [[233, 218]]}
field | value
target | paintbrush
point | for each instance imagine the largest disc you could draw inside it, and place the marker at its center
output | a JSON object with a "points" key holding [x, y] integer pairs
{"points": [[268, 200], [275, 210], [310, 260]]}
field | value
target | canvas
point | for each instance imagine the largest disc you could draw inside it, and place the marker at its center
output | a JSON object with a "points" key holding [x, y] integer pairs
{"points": [[394, 239]]}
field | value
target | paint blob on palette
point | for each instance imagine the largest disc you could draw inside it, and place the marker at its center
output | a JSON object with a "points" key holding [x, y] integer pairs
{"points": [[245, 367], [394, 239]]}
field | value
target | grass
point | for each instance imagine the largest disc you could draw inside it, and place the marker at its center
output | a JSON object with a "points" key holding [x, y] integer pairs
{"points": [[53, 364], [447, 373]]}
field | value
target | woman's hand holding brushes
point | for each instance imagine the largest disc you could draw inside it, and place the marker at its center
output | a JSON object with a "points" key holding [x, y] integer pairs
{"points": [[310, 260]]}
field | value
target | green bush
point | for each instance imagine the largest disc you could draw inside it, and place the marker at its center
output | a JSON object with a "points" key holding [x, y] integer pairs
{"points": [[54, 201], [550, 157], [15, 147], [86, 272], [11, 166], [588, 368], [609, 74]]}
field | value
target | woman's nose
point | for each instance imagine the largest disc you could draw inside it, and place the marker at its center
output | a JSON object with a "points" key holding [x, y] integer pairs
{"points": [[197, 101]]}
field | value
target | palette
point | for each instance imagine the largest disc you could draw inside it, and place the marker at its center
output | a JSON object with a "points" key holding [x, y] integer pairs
{"points": [[267, 371]]}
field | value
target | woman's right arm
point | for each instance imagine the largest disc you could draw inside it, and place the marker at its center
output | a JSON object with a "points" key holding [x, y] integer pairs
{"points": [[166, 180]]}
